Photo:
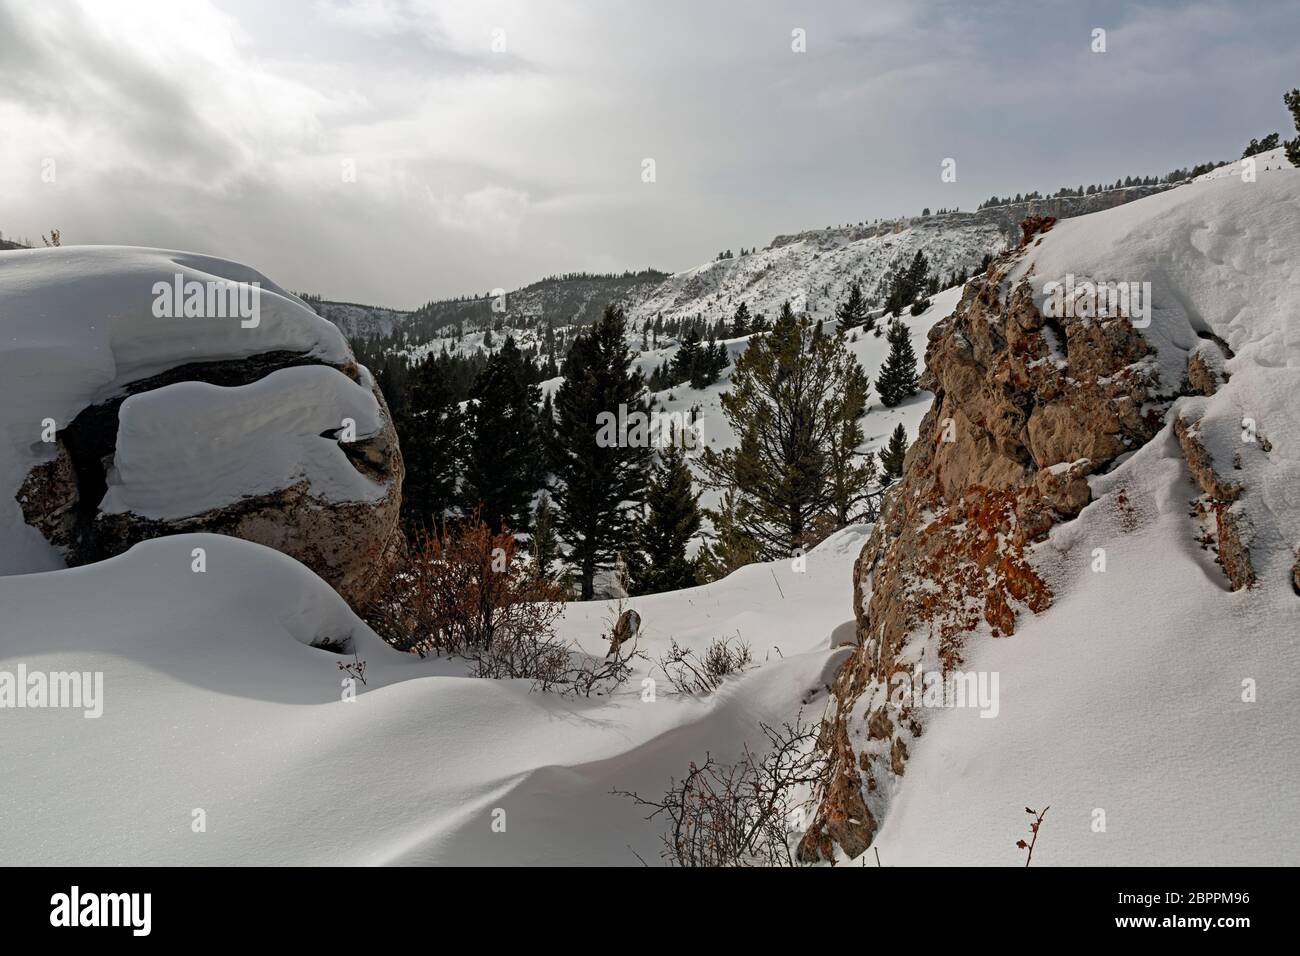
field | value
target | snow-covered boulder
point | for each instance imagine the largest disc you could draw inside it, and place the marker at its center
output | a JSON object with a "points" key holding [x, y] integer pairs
{"points": [[135, 411]]}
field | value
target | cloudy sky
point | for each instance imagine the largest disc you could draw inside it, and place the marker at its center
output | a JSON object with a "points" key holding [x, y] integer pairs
{"points": [[497, 142]]}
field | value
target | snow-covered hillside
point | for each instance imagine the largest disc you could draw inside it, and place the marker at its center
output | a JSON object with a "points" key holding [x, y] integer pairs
{"points": [[704, 406], [1155, 710], [815, 270]]}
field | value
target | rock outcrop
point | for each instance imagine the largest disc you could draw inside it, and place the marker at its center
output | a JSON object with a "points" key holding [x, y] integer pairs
{"points": [[156, 420], [1025, 409], [344, 541]]}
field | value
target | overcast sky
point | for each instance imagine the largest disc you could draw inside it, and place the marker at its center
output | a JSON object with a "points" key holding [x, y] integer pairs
{"points": [[226, 126]]}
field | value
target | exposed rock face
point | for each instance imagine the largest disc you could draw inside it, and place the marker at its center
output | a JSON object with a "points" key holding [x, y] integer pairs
{"points": [[1205, 369], [345, 542], [1025, 408], [49, 497], [1232, 529]]}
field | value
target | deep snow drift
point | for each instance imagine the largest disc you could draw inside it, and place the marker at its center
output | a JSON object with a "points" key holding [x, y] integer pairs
{"points": [[214, 700]]}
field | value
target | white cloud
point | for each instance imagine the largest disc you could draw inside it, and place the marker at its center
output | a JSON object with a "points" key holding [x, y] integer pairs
{"points": [[221, 125]]}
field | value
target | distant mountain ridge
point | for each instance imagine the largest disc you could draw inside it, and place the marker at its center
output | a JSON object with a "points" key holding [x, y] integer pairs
{"points": [[815, 268]]}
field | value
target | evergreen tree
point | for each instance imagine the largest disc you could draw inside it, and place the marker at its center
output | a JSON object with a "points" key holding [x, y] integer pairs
{"points": [[891, 459], [852, 312], [544, 545], [740, 322], [907, 284], [686, 362], [672, 519], [730, 546], [546, 422], [1292, 101], [431, 432], [502, 463], [851, 471], [721, 359], [897, 379], [788, 391], [599, 480]]}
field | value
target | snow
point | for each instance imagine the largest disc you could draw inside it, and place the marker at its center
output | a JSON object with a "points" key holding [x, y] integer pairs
{"points": [[215, 700], [870, 351], [817, 269], [79, 324], [189, 447], [1126, 697], [1268, 161]]}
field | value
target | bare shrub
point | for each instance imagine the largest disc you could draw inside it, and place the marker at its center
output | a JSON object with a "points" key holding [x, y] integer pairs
{"points": [[356, 670], [743, 814], [1033, 830], [466, 591], [688, 673]]}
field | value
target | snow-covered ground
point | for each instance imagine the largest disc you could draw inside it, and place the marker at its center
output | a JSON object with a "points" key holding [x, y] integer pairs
{"points": [[214, 701]]}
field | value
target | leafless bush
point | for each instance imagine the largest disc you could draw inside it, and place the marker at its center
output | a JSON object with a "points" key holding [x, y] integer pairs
{"points": [[356, 670], [743, 814], [1033, 830], [688, 673], [597, 675], [466, 591], [542, 658]]}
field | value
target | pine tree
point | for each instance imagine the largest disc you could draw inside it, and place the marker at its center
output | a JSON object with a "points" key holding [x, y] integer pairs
{"points": [[430, 429], [599, 481], [740, 322], [544, 545], [906, 284], [851, 472], [546, 422], [891, 459], [730, 546], [1292, 101], [504, 449], [787, 393], [853, 311], [672, 519], [897, 379], [686, 362]]}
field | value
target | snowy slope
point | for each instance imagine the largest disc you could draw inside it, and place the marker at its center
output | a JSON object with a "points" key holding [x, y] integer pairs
{"points": [[870, 351], [215, 700], [817, 270], [1127, 695]]}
